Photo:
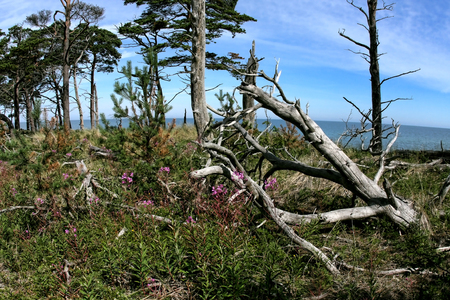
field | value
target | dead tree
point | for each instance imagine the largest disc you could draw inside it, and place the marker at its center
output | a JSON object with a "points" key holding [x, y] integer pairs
{"points": [[247, 100], [198, 96], [376, 144], [343, 171]]}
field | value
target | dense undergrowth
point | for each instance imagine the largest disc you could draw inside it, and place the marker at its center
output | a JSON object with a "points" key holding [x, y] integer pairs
{"points": [[61, 245]]}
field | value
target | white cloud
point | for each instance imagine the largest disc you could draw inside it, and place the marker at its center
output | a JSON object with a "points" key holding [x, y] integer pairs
{"points": [[128, 54]]}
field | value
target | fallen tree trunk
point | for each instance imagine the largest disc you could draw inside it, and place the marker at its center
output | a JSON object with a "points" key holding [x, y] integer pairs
{"points": [[399, 210]]}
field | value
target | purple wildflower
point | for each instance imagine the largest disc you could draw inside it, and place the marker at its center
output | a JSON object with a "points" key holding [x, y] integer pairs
{"points": [[190, 220], [219, 191], [164, 169], [127, 178], [271, 184]]}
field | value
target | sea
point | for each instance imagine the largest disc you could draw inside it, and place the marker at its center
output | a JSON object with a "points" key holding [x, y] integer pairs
{"points": [[410, 137]]}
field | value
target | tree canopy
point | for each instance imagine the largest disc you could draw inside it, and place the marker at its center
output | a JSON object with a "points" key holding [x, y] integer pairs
{"points": [[168, 25]]}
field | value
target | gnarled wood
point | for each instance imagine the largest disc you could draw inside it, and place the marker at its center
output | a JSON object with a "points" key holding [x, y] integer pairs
{"points": [[352, 177]]}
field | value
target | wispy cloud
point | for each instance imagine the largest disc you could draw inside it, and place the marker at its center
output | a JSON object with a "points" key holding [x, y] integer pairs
{"points": [[306, 31], [128, 54]]}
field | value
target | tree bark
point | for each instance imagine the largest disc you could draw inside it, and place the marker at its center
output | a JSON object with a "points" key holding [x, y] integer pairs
{"points": [[16, 104], [77, 98], [374, 69], [68, 5], [247, 100], [198, 95], [29, 109], [96, 106], [92, 109]]}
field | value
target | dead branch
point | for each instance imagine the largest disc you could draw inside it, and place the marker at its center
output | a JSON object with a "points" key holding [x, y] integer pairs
{"points": [[81, 166], [12, 208], [354, 213], [342, 33], [321, 296], [275, 82], [280, 164], [393, 164], [402, 74], [382, 160], [134, 209], [67, 264], [97, 185], [93, 150], [443, 249], [388, 272], [169, 192]]}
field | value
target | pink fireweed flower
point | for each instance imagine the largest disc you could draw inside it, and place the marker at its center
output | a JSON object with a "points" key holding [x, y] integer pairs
{"points": [[219, 191], [71, 229], [164, 169], [190, 220], [127, 178], [146, 203], [271, 184], [239, 175], [69, 154]]}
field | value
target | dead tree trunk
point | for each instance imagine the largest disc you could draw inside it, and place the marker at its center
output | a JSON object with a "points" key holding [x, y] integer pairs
{"points": [[198, 95], [375, 78], [247, 100], [376, 145]]}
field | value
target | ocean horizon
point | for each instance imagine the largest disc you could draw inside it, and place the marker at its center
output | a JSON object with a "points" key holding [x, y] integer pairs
{"points": [[410, 137]]}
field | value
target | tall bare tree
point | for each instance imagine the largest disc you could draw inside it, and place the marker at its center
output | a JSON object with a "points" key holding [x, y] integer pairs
{"points": [[372, 56]]}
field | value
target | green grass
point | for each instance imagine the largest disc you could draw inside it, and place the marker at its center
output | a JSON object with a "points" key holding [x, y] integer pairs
{"points": [[105, 247]]}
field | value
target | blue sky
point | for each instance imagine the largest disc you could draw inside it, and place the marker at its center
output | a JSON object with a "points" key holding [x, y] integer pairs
{"points": [[316, 66]]}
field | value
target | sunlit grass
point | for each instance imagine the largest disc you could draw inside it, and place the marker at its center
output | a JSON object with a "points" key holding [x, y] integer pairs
{"points": [[68, 245]]}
